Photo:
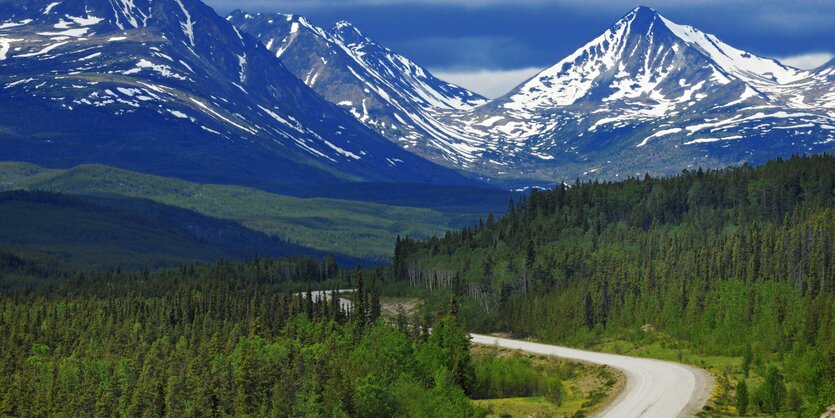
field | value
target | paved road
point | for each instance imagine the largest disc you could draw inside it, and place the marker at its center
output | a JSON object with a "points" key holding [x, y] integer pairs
{"points": [[654, 388], [319, 295]]}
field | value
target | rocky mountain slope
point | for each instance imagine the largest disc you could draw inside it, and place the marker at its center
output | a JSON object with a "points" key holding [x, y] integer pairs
{"points": [[647, 95], [171, 88], [385, 90]]}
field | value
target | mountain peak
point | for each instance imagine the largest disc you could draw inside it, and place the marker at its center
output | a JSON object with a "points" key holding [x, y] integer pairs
{"points": [[348, 33], [640, 21], [643, 10]]}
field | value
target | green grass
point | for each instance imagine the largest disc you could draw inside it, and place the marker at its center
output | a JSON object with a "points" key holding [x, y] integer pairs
{"points": [[525, 407], [586, 387], [358, 229], [725, 370]]}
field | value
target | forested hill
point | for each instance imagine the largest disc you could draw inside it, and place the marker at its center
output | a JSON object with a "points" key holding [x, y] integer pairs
{"points": [[723, 259], [219, 340]]}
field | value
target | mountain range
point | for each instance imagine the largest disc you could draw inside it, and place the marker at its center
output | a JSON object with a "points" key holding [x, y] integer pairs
{"points": [[171, 88], [385, 90], [647, 95], [272, 101]]}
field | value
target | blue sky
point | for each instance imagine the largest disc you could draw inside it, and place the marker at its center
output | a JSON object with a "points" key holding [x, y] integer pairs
{"points": [[492, 45]]}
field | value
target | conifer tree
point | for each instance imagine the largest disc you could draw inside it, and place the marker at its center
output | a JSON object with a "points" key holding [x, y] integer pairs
{"points": [[742, 398]]}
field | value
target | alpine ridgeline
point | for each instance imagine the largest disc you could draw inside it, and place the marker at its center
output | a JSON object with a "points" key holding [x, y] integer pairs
{"points": [[647, 95], [169, 87], [385, 90]]}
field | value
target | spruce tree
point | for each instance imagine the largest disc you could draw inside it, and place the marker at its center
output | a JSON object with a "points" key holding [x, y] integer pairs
{"points": [[742, 398], [360, 309], [374, 308]]}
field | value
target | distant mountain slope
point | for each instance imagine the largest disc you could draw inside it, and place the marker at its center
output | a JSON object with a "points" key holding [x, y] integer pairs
{"points": [[106, 233], [360, 230], [171, 88], [383, 89], [647, 95]]}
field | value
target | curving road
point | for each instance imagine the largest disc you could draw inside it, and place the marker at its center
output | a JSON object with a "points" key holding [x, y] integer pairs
{"points": [[654, 388]]}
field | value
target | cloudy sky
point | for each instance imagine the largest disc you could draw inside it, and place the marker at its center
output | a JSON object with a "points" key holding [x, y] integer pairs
{"points": [[492, 45]]}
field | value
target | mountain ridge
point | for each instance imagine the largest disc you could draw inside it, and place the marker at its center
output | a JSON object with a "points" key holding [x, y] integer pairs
{"points": [[647, 95], [386, 91], [214, 105], [275, 102]]}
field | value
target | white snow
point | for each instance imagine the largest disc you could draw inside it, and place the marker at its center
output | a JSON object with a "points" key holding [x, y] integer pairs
{"points": [[708, 140], [50, 6], [242, 64], [161, 69], [132, 14], [86, 21], [217, 115], [740, 63], [570, 79], [490, 121], [19, 82], [188, 25], [342, 151], [281, 120], [177, 114], [658, 134], [43, 51], [69, 32], [5, 45], [209, 130], [91, 56], [8, 25]]}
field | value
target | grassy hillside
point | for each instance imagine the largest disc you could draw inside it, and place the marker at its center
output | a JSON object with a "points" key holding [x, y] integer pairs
{"points": [[358, 229], [105, 233]]}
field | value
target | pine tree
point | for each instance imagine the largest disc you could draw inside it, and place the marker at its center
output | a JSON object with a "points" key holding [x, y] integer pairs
{"points": [[742, 398], [747, 357], [773, 390], [375, 308], [360, 309], [397, 260], [589, 312]]}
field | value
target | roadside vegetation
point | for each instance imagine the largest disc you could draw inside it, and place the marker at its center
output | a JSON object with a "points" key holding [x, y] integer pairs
{"points": [[705, 267], [515, 384]]}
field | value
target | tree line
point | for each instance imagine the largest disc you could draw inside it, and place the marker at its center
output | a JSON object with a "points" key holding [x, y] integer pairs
{"points": [[726, 260], [226, 339]]}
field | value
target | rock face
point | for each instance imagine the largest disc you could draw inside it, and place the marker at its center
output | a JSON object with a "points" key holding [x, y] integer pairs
{"points": [[830, 413], [647, 95], [171, 88], [386, 91]]}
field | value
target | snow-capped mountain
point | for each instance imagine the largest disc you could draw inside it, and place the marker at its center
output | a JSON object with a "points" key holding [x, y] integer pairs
{"points": [[389, 93], [817, 91], [647, 95], [170, 87]]}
